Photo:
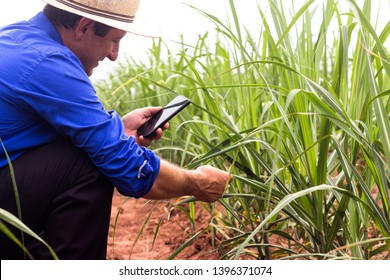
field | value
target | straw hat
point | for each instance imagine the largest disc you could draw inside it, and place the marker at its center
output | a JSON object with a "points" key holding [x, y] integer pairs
{"points": [[115, 13]]}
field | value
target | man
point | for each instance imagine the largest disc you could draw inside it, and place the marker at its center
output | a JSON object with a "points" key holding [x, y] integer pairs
{"points": [[67, 151]]}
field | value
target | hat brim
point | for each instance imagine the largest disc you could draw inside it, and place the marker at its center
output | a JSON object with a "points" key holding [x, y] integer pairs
{"points": [[136, 27]]}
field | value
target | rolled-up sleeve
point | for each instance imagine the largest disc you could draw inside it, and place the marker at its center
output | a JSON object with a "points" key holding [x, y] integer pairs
{"points": [[131, 168]]}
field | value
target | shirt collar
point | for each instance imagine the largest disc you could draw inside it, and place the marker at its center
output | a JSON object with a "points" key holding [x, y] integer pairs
{"points": [[43, 22]]}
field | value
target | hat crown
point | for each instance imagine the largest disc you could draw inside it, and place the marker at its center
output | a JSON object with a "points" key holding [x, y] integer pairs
{"points": [[115, 13], [122, 10]]}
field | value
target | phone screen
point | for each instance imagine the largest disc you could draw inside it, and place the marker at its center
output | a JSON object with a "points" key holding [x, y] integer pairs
{"points": [[163, 116]]}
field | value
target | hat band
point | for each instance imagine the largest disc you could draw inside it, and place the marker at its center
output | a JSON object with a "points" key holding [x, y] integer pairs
{"points": [[97, 12]]}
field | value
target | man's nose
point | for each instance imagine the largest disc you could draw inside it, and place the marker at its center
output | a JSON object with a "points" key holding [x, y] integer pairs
{"points": [[114, 53]]}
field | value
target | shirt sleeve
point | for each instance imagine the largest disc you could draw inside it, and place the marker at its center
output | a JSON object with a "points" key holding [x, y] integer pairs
{"points": [[58, 89]]}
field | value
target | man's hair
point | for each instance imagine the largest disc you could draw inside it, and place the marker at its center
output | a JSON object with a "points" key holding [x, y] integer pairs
{"points": [[69, 20]]}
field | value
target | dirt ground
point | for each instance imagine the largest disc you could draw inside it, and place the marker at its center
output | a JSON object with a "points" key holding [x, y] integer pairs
{"points": [[173, 227]]}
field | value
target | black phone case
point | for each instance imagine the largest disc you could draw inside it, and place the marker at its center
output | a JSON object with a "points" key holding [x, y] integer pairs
{"points": [[171, 109]]}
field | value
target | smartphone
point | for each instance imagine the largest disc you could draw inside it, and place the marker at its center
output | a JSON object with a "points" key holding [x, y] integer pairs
{"points": [[159, 119]]}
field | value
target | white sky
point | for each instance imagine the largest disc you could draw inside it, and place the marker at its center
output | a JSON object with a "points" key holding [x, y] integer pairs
{"points": [[172, 17]]}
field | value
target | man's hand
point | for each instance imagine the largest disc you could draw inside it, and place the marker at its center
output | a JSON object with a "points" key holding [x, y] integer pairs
{"points": [[211, 182], [133, 120]]}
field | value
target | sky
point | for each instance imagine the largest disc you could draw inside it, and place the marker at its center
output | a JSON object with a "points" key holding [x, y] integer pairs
{"points": [[170, 17]]}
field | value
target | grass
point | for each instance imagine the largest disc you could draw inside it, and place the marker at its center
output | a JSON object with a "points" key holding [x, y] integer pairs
{"points": [[299, 115]]}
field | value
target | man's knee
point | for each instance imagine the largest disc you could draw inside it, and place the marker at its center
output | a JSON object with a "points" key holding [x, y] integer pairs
{"points": [[57, 182]]}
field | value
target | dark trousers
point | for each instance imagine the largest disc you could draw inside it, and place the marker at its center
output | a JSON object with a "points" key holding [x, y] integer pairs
{"points": [[64, 198]]}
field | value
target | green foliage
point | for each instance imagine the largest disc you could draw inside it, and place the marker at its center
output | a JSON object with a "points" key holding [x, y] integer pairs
{"points": [[299, 116]]}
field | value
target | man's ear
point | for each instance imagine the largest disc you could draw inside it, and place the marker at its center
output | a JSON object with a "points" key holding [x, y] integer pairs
{"points": [[83, 26]]}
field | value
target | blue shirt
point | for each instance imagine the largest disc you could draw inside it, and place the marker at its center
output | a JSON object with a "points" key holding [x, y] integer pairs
{"points": [[45, 93]]}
